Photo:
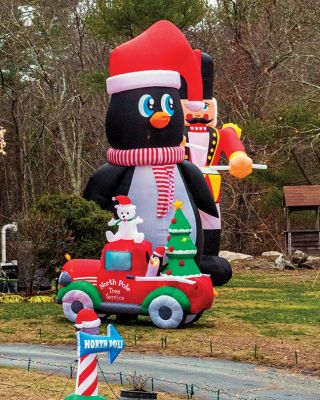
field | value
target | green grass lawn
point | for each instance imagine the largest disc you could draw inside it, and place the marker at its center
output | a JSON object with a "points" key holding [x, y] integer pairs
{"points": [[277, 304], [276, 312]]}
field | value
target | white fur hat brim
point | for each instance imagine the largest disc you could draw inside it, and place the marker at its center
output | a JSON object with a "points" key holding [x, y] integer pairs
{"points": [[89, 324]]}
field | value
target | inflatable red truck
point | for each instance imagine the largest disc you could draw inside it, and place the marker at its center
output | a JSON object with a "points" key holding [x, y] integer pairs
{"points": [[131, 278]]}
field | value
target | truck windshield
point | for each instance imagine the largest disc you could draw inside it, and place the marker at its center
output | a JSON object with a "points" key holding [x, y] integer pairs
{"points": [[118, 261]]}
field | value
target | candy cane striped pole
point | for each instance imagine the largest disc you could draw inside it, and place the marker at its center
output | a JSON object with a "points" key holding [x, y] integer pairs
{"points": [[87, 376], [88, 322]]}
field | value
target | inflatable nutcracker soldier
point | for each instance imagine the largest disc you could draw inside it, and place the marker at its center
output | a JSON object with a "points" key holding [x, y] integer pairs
{"points": [[205, 143]]}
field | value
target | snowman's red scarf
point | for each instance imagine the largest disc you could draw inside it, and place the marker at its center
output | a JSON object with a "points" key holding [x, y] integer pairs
{"points": [[162, 160]]}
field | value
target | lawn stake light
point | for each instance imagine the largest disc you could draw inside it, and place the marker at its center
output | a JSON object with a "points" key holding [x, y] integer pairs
{"points": [[89, 343]]}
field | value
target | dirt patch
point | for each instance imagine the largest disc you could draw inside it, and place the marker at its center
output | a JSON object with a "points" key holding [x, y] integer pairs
{"points": [[18, 384]]}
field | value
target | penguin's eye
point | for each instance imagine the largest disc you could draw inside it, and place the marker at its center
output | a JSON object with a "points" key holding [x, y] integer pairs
{"points": [[205, 107], [167, 104], [146, 105]]}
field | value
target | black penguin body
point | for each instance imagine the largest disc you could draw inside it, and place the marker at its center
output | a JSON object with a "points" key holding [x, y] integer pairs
{"points": [[131, 124]]}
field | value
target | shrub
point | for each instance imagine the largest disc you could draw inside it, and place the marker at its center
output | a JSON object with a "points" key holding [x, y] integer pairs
{"points": [[85, 221], [137, 382], [38, 247], [56, 225]]}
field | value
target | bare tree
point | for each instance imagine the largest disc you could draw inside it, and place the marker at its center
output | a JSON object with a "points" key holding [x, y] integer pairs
{"points": [[53, 118]]}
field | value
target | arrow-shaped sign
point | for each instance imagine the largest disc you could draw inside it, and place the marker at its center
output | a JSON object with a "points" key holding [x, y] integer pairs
{"points": [[112, 344]]}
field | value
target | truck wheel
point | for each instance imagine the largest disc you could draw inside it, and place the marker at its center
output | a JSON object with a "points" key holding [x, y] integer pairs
{"points": [[165, 312], [191, 318], [73, 302]]}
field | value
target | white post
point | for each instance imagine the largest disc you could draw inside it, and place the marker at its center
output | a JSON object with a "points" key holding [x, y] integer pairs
{"points": [[4, 229]]}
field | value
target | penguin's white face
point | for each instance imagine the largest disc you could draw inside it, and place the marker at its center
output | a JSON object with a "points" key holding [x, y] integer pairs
{"points": [[126, 212]]}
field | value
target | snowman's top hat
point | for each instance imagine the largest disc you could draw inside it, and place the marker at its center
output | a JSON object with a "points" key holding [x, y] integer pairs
{"points": [[157, 57]]}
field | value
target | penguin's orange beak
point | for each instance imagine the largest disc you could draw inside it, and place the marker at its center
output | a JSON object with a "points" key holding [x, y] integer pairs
{"points": [[160, 119]]}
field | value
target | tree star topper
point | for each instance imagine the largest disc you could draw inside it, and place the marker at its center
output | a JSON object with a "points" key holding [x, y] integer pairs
{"points": [[178, 204]]}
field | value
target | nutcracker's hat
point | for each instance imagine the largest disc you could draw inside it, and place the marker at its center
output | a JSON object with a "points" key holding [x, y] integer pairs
{"points": [[207, 72]]}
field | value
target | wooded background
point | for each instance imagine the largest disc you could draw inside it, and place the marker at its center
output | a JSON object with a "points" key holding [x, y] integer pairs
{"points": [[53, 66]]}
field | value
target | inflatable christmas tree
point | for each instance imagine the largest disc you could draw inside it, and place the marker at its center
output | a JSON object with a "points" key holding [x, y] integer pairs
{"points": [[180, 248]]}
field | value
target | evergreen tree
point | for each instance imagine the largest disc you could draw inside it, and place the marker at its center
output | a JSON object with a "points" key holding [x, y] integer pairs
{"points": [[180, 248], [111, 19]]}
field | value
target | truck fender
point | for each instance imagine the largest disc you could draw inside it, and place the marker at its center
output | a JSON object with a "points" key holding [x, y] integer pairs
{"points": [[85, 287]]}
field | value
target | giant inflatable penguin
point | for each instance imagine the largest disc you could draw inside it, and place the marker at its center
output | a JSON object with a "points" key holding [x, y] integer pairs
{"points": [[207, 143], [144, 126]]}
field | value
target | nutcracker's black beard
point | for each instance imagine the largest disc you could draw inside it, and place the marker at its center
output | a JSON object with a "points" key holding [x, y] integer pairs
{"points": [[198, 121]]}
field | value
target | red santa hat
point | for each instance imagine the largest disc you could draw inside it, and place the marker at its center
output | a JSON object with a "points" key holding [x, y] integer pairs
{"points": [[157, 57], [124, 201], [159, 251], [87, 318]]}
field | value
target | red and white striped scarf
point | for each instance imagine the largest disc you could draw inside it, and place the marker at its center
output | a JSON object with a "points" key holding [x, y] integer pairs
{"points": [[162, 160]]}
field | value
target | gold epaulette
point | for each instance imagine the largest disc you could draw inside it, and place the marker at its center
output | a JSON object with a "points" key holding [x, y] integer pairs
{"points": [[234, 126]]}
